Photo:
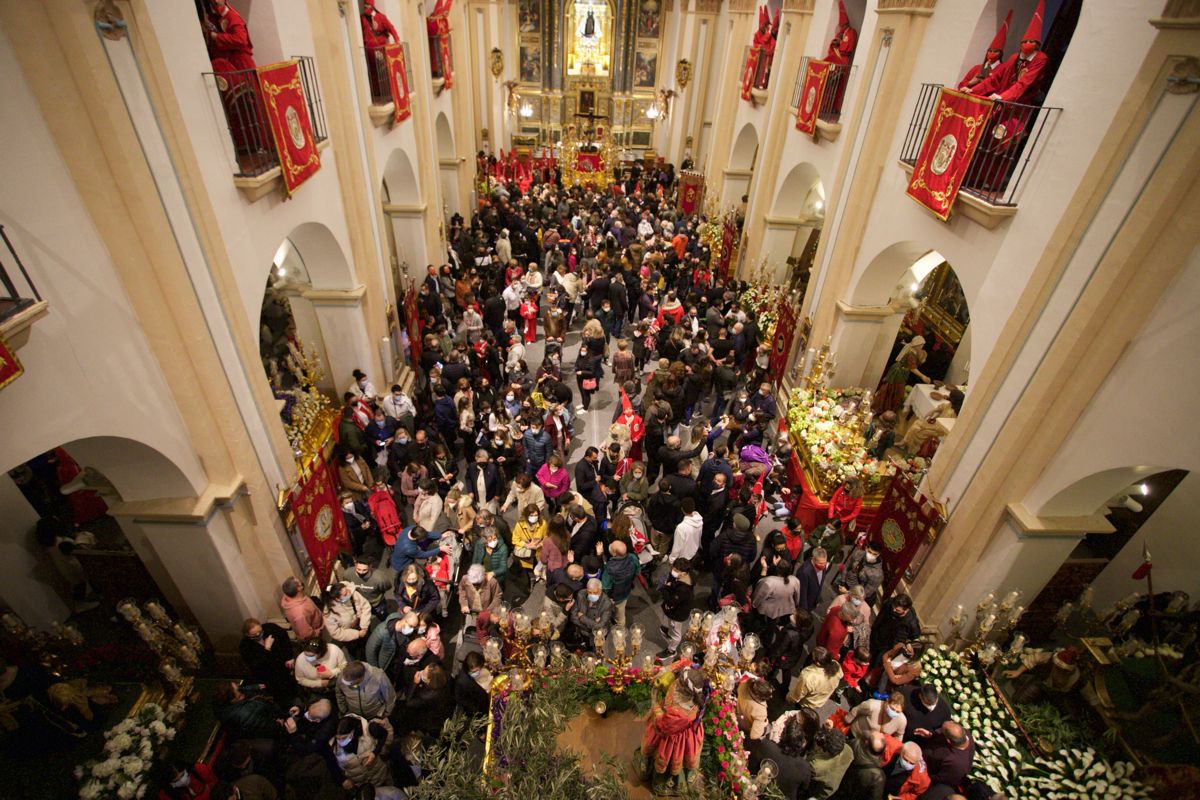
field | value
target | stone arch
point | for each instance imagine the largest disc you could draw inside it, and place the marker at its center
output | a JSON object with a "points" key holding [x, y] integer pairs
{"points": [[878, 283], [1088, 494], [324, 261], [745, 148], [801, 192], [400, 185], [444, 135]]}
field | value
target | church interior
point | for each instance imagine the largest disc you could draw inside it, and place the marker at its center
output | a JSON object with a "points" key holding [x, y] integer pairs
{"points": [[372, 324]]}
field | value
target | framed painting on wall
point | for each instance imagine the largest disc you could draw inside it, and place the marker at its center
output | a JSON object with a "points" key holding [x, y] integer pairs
{"points": [[531, 63], [645, 69]]}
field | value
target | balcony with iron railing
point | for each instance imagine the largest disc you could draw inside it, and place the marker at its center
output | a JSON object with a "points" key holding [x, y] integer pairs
{"points": [[20, 301], [1006, 156], [382, 103], [829, 116], [257, 162], [438, 69]]}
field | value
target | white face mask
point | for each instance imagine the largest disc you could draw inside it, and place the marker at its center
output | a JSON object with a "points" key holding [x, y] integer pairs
{"points": [[407, 630], [856, 601], [532, 519], [872, 558], [344, 740], [475, 674], [595, 598], [182, 782]]}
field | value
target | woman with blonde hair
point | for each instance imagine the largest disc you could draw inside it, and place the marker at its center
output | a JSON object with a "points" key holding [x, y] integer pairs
{"points": [[527, 537], [593, 336], [623, 366]]}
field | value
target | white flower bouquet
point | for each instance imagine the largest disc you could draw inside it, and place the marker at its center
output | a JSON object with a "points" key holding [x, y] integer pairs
{"points": [[130, 748], [1001, 759]]}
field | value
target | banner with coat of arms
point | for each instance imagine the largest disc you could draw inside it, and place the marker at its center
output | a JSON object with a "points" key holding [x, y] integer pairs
{"points": [[319, 519], [905, 520], [785, 328], [809, 106], [691, 192], [955, 129], [287, 112], [398, 75], [10, 367]]}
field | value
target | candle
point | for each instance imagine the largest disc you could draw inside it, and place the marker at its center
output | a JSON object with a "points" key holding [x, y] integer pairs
{"points": [[1010, 599], [1015, 615], [749, 648], [491, 651], [710, 657], [598, 639], [1018, 644], [687, 652], [635, 635], [618, 640], [589, 664], [647, 662], [985, 603], [987, 656], [502, 614], [544, 619], [985, 626], [557, 653], [729, 681], [1064, 612], [539, 657], [694, 621], [14, 624], [1128, 621]]}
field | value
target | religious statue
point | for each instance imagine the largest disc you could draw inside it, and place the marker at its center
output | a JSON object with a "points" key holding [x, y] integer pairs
{"points": [[991, 59], [589, 25], [891, 389], [670, 754]]}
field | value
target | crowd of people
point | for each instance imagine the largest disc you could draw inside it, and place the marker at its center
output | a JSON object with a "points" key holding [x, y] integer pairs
{"points": [[593, 437]]}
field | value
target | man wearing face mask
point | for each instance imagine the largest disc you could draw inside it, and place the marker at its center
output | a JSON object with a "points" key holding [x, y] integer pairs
{"points": [[364, 532], [364, 690], [267, 652], [862, 569], [371, 582], [593, 610], [925, 712], [347, 617], [905, 774], [483, 481], [677, 595], [1019, 78]]}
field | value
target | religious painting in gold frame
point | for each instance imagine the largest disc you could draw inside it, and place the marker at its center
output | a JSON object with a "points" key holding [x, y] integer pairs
{"points": [[587, 28], [944, 307]]}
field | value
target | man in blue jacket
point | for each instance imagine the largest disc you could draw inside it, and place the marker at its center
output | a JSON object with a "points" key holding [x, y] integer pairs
{"points": [[537, 447], [409, 548]]}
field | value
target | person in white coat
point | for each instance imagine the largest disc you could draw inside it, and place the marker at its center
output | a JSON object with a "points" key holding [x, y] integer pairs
{"points": [[686, 542], [504, 247], [319, 665]]}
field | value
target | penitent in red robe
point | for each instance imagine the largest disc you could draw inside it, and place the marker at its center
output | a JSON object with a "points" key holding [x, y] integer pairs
{"points": [[377, 31], [1017, 80], [673, 739], [232, 40]]}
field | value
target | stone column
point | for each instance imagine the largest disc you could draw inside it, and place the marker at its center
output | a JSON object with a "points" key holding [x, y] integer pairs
{"points": [[729, 72], [29, 583], [857, 341], [891, 56], [346, 344], [793, 33]]}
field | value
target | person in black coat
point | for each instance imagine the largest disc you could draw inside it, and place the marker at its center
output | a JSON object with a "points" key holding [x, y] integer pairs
{"points": [[795, 772], [468, 694], [585, 533], [925, 712], [813, 574], [681, 481], [787, 648], [360, 522], [267, 652], [587, 481], [429, 702], [897, 623], [663, 510], [310, 732], [491, 479], [677, 597]]}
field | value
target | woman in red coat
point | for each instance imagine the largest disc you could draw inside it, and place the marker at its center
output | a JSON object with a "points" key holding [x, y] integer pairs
{"points": [[836, 628], [847, 502], [529, 311]]}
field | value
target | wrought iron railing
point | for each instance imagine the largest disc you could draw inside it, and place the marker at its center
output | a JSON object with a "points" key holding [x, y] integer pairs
{"points": [[835, 90], [435, 57], [378, 75], [1005, 154], [246, 115], [18, 292]]}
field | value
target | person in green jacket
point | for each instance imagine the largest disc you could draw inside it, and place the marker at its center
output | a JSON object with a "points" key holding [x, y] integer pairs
{"points": [[634, 486], [492, 553]]}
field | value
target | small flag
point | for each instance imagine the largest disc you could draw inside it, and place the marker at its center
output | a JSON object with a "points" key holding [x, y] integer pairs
{"points": [[1146, 566]]}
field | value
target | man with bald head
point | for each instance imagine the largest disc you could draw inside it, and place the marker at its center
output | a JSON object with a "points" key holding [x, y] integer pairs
{"points": [[593, 610], [618, 576], [949, 754], [671, 453], [905, 774]]}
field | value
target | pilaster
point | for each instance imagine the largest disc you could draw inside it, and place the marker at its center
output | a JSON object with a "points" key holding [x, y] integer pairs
{"points": [[741, 23]]}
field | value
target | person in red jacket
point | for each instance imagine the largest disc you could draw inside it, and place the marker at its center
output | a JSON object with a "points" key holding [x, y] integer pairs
{"points": [[182, 781], [847, 502], [991, 59], [377, 31], [836, 628], [227, 35], [906, 777], [1019, 78]]}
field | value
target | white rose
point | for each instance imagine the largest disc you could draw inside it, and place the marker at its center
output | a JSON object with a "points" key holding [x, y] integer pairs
{"points": [[127, 791]]}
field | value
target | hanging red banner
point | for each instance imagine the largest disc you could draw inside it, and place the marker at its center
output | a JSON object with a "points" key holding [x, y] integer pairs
{"points": [[412, 319], [438, 27], [287, 112], [10, 367], [785, 330], [398, 75], [319, 519], [749, 71], [691, 192], [809, 105], [955, 128], [905, 520], [728, 239]]}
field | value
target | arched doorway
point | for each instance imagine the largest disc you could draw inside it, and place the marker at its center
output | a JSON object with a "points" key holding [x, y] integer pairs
{"points": [[406, 216], [447, 165], [907, 291], [735, 188], [793, 227], [311, 305]]}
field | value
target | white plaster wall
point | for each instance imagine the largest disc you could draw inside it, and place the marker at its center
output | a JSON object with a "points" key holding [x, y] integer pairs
{"points": [[251, 231], [89, 370]]}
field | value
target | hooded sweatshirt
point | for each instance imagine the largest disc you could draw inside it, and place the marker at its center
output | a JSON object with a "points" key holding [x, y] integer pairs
{"points": [[303, 615]]}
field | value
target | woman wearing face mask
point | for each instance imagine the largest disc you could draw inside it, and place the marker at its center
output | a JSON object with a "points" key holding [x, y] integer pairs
{"points": [[348, 617], [884, 716], [180, 780], [865, 570], [415, 592], [319, 665], [528, 534], [554, 480], [390, 638], [427, 509], [358, 748]]}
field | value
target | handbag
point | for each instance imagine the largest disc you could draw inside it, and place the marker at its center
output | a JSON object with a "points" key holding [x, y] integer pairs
{"points": [[523, 552], [589, 384]]}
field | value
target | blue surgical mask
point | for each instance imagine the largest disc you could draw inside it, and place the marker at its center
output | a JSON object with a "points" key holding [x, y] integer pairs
{"points": [[893, 713], [593, 597], [904, 765], [407, 630]]}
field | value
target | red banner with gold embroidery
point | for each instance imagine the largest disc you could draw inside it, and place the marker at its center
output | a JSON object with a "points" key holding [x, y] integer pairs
{"points": [[283, 94], [906, 519], [398, 75], [10, 367], [955, 128], [809, 104], [749, 71], [781, 348], [691, 192], [319, 519], [412, 319]]}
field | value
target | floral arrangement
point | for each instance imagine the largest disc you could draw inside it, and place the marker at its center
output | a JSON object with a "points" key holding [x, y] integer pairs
{"points": [[130, 750], [762, 300], [815, 415], [724, 756], [1001, 759]]}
